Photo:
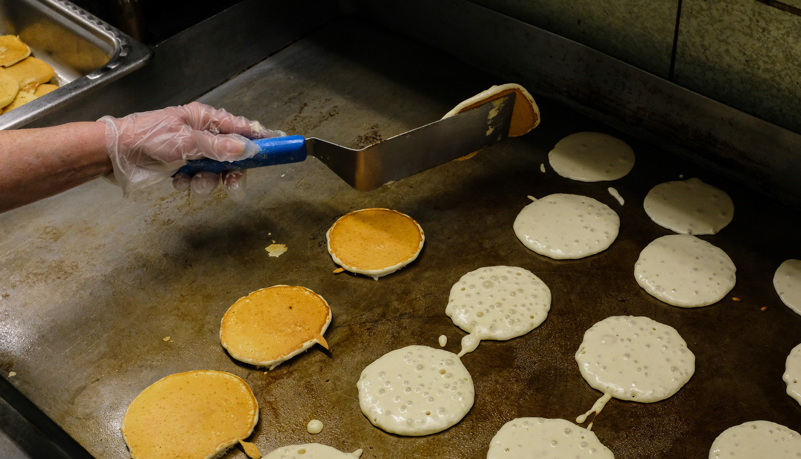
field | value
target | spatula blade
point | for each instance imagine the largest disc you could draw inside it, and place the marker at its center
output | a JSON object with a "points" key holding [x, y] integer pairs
{"points": [[419, 149]]}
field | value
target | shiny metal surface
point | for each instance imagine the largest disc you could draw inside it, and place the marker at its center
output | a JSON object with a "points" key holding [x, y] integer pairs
{"points": [[93, 284], [384, 161], [420, 149], [85, 52]]}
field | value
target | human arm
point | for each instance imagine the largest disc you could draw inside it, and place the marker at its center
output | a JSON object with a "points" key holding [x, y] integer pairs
{"points": [[41, 162], [139, 149]]}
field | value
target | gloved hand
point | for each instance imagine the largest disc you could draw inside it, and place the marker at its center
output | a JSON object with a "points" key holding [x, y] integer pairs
{"points": [[148, 147]]}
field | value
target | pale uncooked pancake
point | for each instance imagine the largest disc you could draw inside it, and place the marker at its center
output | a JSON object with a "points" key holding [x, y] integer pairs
{"points": [[525, 113], [415, 391], [689, 207], [375, 242], [12, 50], [546, 438], [787, 282], [792, 373], [311, 451], [634, 358], [274, 324], [685, 271], [757, 440], [196, 414], [497, 303], [591, 157], [567, 226]]}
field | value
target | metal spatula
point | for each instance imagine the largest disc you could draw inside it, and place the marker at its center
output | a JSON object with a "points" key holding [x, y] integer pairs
{"points": [[389, 160]]}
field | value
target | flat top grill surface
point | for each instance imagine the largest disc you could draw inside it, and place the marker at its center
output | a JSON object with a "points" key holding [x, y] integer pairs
{"points": [[93, 284]]}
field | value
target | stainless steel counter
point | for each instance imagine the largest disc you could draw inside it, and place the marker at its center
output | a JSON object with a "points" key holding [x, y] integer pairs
{"points": [[94, 283]]}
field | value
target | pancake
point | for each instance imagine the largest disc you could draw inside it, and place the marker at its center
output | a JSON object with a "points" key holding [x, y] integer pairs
{"points": [[525, 112], [591, 157], [497, 303], [31, 72], [43, 89], [567, 226], [685, 271], [8, 89], [415, 391], [756, 440], [689, 207], [633, 358], [311, 451], [274, 324], [196, 414], [543, 438], [787, 282], [22, 98], [792, 373], [12, 50], [374, 242]]}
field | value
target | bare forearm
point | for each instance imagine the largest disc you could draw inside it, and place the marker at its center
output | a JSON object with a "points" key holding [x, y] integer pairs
{"points": [[42, 162]]}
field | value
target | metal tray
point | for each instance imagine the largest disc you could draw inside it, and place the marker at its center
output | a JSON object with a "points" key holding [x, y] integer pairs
{"points": [[85, 52]]}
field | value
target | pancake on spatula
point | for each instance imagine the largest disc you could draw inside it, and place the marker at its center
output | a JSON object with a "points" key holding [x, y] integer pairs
{"points": [[196, 414], [375, 242], [525, 113], [274, 324]]}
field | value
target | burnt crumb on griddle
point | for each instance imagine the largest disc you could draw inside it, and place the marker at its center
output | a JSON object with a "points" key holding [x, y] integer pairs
{"points": [[370, 137], [310, 116]]}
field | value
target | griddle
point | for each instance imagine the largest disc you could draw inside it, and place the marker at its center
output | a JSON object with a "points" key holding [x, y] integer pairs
{"points": [[93, 284]]}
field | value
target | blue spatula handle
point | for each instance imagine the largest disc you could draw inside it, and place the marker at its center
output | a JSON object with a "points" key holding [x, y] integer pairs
{"points": [[272, 151]]}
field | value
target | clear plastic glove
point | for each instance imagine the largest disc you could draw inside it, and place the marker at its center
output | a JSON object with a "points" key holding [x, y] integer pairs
{"points": [[148, 147]]}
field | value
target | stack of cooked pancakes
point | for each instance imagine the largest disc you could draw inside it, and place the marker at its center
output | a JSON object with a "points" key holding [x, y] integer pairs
{"points": [[23, 77]]}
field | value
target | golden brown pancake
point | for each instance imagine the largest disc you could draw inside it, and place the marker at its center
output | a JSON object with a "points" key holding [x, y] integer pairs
{"points": [[375, 242], [525, 113], [8, 89], [43, 89], [22, 98], [12, 50], [196, 414], [31, 72], [274, 324]]}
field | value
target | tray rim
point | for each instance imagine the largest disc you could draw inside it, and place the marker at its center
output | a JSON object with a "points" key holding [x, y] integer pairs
{"points": [[128, 55]]}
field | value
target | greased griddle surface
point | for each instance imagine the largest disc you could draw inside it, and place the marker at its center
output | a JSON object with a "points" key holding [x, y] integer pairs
{"points": [[94, 283]]}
